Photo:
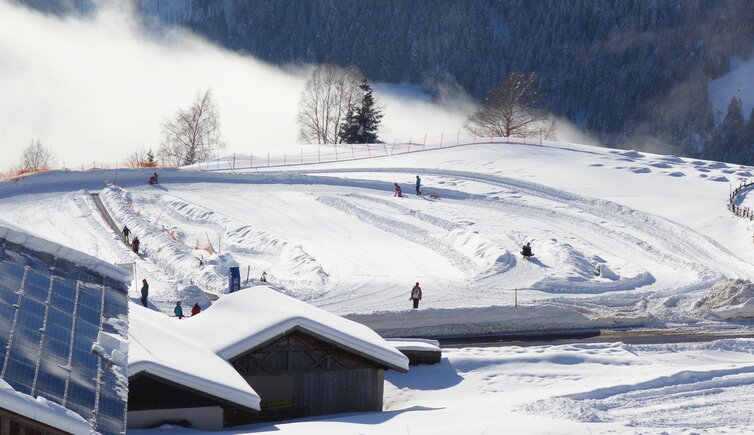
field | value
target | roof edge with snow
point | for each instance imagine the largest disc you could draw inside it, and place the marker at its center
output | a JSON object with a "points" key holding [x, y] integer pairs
{"points": [[21, 237], [42, 410], [198, 385], [323, 334]]}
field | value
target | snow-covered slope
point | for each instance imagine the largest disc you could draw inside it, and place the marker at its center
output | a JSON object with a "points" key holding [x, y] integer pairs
{"points": [[620, 237]]}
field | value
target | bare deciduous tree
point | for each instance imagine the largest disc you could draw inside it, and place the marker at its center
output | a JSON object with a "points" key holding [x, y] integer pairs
{"points": [[141, 158], [329, 93], [194, 133], [36, 157], [511, 109]]}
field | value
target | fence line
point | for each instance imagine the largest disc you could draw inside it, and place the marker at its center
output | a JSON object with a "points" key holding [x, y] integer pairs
{"points": [[742, 212], [315, 154]]}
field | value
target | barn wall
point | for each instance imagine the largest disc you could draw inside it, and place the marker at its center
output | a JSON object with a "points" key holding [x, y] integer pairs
{"points": [[299, 375]]}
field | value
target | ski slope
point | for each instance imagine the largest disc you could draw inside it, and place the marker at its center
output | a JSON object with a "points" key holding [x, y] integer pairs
{"points": [[620, 237]]}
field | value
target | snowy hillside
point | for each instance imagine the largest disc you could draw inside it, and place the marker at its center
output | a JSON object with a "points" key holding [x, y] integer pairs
{"points": [[619, 237]]}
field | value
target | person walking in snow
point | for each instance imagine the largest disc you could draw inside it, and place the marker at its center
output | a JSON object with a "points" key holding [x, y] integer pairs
{"points": [[178, 310], [418, 185], [196, 309], [126, 233], [135, 244], [398, 190], [264, 276], [144, 291], [416, 295], [153, 179]]}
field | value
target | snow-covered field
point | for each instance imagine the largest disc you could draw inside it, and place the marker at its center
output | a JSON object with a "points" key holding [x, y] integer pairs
{"points": [[587, 388], [620, 238]]}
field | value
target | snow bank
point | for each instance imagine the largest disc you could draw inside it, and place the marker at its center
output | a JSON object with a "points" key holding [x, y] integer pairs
{"points": [[157, 347], [259, 314], [729, 299], [161, 249], [42, 410], [574, 273], [292, 265], [22, 237]]}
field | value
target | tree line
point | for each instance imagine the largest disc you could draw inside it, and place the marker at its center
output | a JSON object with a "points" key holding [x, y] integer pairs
{"points": [[336, 106], [630, 72]]}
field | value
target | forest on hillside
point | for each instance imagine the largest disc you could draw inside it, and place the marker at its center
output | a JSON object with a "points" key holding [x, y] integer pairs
{"points": [[632, 72]]}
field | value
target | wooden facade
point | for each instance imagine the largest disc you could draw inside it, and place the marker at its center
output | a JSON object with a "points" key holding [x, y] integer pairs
{"points": [[299, 374], [15, 424]]}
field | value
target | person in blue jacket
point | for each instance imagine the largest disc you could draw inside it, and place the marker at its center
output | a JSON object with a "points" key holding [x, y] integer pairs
{"points": [[418, 185], [178, 310]]}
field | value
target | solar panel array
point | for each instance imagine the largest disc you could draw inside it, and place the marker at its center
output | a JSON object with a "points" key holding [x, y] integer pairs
{"points": [[51, 312]]}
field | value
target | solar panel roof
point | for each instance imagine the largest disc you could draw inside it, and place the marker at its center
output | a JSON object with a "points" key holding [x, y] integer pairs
{"points": [[51, 315]]}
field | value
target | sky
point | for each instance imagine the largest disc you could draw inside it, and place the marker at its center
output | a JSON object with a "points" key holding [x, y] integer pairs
{"points": [[97, 89]]}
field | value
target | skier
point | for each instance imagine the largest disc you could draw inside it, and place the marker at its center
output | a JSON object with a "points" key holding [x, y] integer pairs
{"points": [[144, 291], [418, 185], [196, 309], [416, 295], [135, 245], [526, 251], [264, 276], [126, 233], [153, 179], [398, 190], [178, 310]]}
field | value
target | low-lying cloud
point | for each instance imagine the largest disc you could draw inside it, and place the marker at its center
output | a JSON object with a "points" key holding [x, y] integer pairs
{"points": [[98, 88]]}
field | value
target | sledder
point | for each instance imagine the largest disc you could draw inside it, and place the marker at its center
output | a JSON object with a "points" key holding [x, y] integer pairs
{"points": [[153, 179], [526, 251]]}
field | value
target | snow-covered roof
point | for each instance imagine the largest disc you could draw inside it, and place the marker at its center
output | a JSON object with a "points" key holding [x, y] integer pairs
{"points": [[20, 236], [243, 320], [156, 348], [415, 344], [42, 410]]}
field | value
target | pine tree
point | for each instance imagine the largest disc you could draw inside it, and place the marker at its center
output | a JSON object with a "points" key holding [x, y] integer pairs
{"points": [[150, 158], [733, 130], [349, 129], [363, 121], [749, 140]]}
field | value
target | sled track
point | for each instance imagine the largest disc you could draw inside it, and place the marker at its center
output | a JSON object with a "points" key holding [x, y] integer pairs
{"points": [[682, 241], [404, 230]]}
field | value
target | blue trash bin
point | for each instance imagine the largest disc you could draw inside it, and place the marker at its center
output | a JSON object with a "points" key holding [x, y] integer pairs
{"points": [[234, 279]]}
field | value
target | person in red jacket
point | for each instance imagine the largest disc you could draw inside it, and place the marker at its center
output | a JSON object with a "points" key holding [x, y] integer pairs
{"points": [[398, 192], [416, 295], [196, 309]]}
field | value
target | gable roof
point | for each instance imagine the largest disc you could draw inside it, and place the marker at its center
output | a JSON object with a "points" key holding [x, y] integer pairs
{"points": [[156, 348], [246, 319]]}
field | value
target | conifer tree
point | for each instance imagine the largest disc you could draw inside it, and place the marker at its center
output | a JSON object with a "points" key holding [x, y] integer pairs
{"points": [[363, 121], [732, 131], [150, 158]]}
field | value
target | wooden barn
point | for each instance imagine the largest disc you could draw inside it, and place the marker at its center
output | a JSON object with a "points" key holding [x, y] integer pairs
{"points": [[301, 360]]}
